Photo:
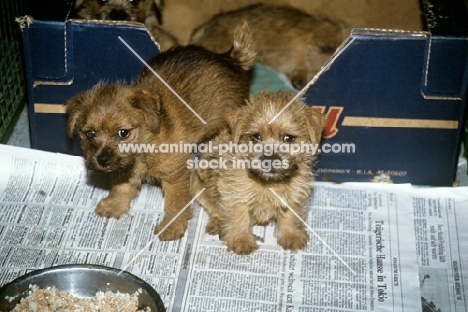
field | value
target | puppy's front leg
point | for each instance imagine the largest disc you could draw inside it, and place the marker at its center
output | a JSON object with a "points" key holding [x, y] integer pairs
{"points": [[118, 201], [176, 197], [236, 231], [291, 232]]}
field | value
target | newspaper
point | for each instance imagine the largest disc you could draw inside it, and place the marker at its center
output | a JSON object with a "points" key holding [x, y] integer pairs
{"points": [[373, 247], [440, 224]]}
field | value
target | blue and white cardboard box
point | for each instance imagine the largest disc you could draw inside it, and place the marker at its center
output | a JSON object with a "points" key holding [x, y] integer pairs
{"points": [[395, 101], [395, 104]]}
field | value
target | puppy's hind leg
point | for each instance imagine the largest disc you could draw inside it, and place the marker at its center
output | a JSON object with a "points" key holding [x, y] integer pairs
{"points": [[214, 222], [213, 225], [176, 198], [209, 200]]}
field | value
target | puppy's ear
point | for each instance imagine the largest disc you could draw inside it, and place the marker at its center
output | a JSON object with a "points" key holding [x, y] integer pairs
{"points": [[240, 125], [150, 104], [239, 121], [74, 111], [315, 123], [237, 132]]}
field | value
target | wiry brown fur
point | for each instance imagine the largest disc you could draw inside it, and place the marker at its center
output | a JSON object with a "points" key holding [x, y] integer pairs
{"points": [[237, 199], [147, 112], [147, 12], [289, 40]]}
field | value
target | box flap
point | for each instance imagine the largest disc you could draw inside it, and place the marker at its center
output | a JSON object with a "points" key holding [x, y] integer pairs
{"points": [[45, 41], [445, 66]]}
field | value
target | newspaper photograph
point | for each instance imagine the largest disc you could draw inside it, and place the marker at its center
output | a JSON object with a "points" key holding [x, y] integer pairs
{"points": [[440, 229]]}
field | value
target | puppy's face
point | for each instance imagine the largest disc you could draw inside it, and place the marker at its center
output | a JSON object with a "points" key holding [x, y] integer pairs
{"points": [[278, 146], [107, 117], [117, 10]]}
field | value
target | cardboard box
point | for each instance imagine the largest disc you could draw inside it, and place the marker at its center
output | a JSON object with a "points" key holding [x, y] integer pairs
{"points": [[65, 58], [396, 102], [397, 97]]}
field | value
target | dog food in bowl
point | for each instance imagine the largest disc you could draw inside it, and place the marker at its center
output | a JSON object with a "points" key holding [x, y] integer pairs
{"points": [[84, 286], [51, 299]]}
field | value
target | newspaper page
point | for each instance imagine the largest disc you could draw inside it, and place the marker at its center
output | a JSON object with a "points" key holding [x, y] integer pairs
{"points": [[47, 218], [367, 244], [360, 258], [440, 224]]}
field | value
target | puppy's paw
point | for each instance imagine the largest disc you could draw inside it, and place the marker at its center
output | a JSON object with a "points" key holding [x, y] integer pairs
{"points": [[243, 244], [174, 231], [213, 227], [293, 240], [110, 207]]}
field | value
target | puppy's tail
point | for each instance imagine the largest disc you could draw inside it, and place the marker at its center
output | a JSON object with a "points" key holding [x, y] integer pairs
{"points": [[244, 46]]}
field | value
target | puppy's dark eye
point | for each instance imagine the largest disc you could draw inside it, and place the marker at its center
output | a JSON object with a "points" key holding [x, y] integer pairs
{"points": [[103, 2], [257, 137], [134, 2], [122, 133], [90, 134], [288, 138]]}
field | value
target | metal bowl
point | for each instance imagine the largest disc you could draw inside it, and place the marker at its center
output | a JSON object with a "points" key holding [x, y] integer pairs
{"points": [[83, 281]]}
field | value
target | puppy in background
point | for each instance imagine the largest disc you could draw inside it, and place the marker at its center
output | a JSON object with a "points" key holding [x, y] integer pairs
{"points": [[289, 40], [238, 194], [147, 113], [116, 10], [147, 12]]}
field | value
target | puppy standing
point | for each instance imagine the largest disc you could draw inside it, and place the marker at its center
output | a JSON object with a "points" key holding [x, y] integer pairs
{"points": [[147, 12], [238, 194], [289, 40], [147, 112]]}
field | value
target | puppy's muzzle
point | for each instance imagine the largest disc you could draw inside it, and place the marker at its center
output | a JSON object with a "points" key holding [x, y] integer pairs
{"points": [[103, 160], [119, 15], [271, 157], [270, 173]]}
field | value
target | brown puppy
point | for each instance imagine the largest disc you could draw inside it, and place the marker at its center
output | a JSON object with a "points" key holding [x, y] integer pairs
{"points": [[116, 10], [289, 40], [110, 118], [238, 184], [147, 12]]}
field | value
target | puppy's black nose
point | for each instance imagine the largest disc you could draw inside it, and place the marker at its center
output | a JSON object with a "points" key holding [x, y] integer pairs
{"points": [[103, 160], [271, 157], [119, 15]]}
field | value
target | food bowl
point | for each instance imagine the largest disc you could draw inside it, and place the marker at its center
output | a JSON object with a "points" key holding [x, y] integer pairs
{"points": [[81, 280]]}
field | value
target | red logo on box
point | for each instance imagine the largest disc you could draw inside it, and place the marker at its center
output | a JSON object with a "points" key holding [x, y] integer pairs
{"points": [[331, 118]]}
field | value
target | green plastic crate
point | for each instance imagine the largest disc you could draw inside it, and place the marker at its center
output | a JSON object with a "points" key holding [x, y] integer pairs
{"points": [[12, 78]]}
